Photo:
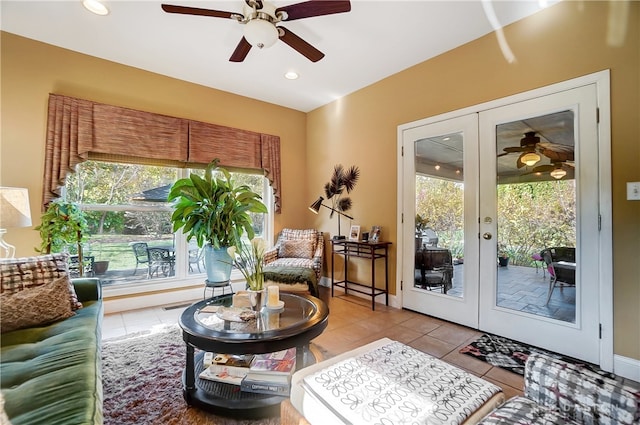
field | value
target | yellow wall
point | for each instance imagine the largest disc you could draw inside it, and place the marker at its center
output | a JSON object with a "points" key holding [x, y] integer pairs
{"points": [[565, 41]]}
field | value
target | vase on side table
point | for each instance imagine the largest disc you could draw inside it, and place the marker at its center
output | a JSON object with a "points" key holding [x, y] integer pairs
{"points": [[257, 299]]}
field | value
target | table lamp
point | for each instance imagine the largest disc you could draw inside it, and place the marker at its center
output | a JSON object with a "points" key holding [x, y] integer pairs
{"points": [[14, 212]]}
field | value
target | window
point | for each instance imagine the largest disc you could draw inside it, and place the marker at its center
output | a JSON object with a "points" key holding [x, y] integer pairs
{"points": [[130, 222]]}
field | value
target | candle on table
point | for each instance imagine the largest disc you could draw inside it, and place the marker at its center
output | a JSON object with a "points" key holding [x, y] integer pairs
{"points": [[273, 295]]}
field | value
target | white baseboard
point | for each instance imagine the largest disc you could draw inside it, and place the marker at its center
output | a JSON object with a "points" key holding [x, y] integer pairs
{"points": [[627, 367]]}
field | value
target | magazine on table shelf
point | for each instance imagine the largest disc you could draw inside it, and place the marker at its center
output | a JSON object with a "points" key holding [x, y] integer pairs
{"points": [[278, 363], [228, 374], [239, 360], [229, 368]]}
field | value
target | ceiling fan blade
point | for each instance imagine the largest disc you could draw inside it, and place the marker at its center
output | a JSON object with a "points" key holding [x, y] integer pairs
{"points": [[184, 10], [304, 48], [556, 147], [554, 155], [513, 149], [311, 8], [242, 49]]}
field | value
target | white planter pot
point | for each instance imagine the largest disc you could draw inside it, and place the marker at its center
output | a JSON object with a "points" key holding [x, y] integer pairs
{"points": [[218, 264]]}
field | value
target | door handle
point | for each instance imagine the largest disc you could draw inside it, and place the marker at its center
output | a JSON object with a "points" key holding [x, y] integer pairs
{"points": [[487, 235]]}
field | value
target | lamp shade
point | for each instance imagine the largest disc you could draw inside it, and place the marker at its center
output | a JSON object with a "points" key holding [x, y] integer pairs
{"points": [[260, 33], [315, 207], [14, 207], [558, 173], [530, 158]]}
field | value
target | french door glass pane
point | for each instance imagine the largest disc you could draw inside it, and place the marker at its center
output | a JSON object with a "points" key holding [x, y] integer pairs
{"points": [[439, 233], [536, 213]]}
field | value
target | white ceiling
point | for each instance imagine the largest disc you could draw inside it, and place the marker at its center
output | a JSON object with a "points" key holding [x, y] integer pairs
{"points": [[375, 40]]}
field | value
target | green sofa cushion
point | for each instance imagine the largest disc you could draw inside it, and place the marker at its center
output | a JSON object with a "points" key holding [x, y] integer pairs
{"points": [[51, 374]]}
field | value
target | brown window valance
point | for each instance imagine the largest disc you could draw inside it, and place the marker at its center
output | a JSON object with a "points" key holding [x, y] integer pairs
{"points": [[79, 129]]}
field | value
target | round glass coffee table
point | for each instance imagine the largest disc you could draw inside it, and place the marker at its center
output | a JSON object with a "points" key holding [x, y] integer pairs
{"points": [[302, 318]]}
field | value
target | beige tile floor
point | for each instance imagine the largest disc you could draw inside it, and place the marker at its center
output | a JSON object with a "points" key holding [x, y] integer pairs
{"points": [[352, 323]]}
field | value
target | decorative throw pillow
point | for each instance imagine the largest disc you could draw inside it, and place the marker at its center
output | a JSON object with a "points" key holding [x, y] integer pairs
{"points": [[296, 249], [18, 274], [38, 305]]}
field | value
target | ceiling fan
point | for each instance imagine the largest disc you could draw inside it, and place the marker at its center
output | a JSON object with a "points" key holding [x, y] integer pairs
{"points": [[530, 146], [260, 18]]}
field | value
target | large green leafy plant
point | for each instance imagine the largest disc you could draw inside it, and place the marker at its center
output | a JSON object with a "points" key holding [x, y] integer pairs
{"points": [[63, 227], [214, 209]]}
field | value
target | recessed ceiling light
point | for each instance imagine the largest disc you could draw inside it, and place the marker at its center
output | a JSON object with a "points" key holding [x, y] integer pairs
{"points": [[95, 6], [291, 75]]}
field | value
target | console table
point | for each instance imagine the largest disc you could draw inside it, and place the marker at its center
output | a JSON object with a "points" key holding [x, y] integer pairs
{"points": [[371, 250]]}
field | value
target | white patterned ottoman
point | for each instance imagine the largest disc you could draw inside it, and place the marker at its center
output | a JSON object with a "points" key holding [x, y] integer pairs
{"points": [[390, 383]]}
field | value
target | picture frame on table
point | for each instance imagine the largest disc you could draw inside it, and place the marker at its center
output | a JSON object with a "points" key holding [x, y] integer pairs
{"points": [[354, 233], [374, 234]]}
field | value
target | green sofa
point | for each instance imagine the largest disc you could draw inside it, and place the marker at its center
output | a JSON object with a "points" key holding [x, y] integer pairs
{"points": [[52, 374]]}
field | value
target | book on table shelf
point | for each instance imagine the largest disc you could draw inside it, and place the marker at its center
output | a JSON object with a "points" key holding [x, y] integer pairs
{"points": [[270, 373], [281, 385]]}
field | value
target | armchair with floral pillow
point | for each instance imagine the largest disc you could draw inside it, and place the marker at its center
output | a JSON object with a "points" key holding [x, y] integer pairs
{"points": [[296, 256]]}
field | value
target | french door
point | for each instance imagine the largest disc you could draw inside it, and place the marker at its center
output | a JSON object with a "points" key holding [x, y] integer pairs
{"points": [[452, 173], [484, 194]]}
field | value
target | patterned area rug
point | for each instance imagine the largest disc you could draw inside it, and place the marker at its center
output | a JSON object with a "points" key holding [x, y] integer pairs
{"points": [[512, 355], [142, 382], [507, 353]]}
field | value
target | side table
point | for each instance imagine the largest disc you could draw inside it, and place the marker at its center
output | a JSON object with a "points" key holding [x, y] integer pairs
{"points": [[371, 250]]}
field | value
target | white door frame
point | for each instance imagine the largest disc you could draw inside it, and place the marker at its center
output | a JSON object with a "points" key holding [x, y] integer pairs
{"points": [[602, 82]]}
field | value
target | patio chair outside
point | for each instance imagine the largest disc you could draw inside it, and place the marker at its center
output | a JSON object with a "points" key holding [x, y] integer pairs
{"points": [[142, 255], [160, 261], [561, 263], [196, 257], [433, 269]]}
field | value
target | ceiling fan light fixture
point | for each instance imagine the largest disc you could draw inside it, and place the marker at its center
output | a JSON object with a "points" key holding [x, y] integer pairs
{"points": [[558, 173], [95, 6], [530, 158], [260, 33]]}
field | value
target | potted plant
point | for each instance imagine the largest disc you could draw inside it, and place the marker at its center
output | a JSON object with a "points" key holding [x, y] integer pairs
{"points": [[63, 228], [421, 225], [214, 211], [503, 256], [249, 259]]}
